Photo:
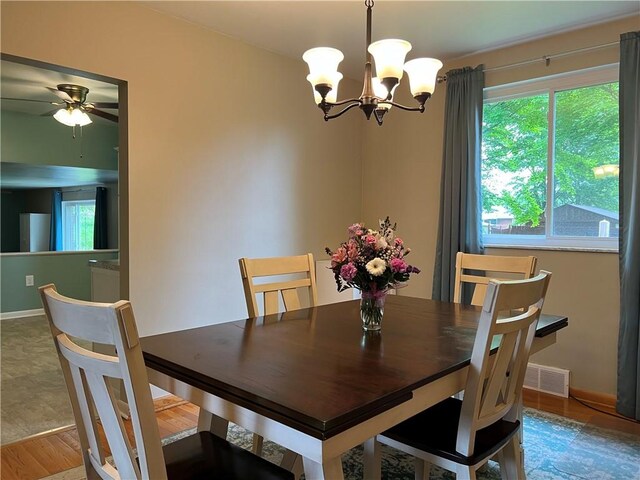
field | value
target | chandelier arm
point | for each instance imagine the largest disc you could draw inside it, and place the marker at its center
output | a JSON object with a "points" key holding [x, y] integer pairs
{"points": [[343, 102], [344, 110], [402, 107]]}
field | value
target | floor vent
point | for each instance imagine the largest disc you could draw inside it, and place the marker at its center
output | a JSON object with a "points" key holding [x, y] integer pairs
{"points": [[547, 379]]}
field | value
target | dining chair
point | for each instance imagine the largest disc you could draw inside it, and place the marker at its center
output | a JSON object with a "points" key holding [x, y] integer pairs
{"points": [[493, 266], [86, 373], [253, 268], [461, 435]]}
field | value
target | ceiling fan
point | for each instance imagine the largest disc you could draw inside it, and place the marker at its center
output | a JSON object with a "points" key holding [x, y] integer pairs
{"points": [[75, 97], [74, 105]]}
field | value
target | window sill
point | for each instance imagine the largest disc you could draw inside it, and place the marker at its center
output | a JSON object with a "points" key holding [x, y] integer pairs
{"points": [[553, 248]]}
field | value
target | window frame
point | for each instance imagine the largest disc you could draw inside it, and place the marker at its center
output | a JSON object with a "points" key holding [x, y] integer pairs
{"points": [[550, 85]]}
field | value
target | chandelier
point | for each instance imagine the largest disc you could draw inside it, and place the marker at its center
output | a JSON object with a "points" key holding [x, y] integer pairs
{"points": [[377, 92]]}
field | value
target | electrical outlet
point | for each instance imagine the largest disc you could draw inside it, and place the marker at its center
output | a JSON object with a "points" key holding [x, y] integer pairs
{"points": [[29, 280]]}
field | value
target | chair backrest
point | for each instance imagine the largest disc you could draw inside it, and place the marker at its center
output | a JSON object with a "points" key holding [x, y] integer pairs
{"points": [[87, 377], [252, 268], [494, 264], [495, 381]]}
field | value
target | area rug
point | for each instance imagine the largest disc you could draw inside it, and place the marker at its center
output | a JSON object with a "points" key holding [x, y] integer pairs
{"points": [[556, 448]]}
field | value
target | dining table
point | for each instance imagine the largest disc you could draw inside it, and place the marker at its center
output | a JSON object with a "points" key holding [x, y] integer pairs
{"points": [[313, 381]]}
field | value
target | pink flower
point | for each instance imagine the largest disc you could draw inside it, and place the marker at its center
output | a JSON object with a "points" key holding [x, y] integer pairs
{"points": [[399, 241], [370, 240], [398, 265], [352, 250], [338, 257], [348, 271], [354, 229]]}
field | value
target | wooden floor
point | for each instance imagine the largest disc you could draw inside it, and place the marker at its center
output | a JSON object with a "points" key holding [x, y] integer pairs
{"points": [[49, 454]]}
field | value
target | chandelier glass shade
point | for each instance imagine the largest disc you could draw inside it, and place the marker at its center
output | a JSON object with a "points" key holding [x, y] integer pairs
{"points": [[377, 93], [72, 117]]}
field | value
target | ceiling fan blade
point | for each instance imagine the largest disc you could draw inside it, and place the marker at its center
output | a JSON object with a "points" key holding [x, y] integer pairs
{"points": [[106, 115], [112, 105], [60, 94], [24, 100]]}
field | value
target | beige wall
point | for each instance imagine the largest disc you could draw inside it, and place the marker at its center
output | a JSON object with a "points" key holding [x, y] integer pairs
{"points": [[217, 171], [404, 160]]}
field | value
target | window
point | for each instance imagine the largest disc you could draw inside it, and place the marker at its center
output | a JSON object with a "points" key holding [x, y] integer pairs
{"points": [[77, 224], [553, 141]]}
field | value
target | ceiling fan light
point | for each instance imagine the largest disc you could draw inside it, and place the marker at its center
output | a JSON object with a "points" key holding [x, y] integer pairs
{"points": [[389, 56], [382, 93], [80, 118], [323, 64], [422, 74], [332, 96], [64, 116]]}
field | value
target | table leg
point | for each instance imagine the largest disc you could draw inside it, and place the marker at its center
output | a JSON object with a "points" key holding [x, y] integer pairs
{"points": [[208, 422], [293, 462], [329, 470], [372, 467]]}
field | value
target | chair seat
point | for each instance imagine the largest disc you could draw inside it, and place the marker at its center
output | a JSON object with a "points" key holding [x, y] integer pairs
{"points": [[435, 431], [206, 456]]}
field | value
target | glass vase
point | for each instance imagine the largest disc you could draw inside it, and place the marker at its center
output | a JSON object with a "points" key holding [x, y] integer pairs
{"points": [[372, 309]]}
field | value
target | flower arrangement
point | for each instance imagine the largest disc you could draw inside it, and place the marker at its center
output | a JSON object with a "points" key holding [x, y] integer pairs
{"points": [[373, 261]]}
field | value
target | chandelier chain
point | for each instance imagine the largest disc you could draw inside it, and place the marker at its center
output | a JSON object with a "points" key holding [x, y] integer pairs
{"points": [[368, 3]]}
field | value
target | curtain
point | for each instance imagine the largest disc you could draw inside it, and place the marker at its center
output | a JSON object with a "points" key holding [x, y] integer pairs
{"points": [[100, 240], [55, 228], [628, 402], [460, 203]]}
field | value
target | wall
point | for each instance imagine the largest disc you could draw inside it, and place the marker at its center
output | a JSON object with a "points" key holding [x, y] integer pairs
{"points": [[43, 141], [69, 271], [228, 155], [585, 285]]}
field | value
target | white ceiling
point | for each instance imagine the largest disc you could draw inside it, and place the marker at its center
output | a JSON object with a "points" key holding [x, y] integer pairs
{"points": [[440, 29]]}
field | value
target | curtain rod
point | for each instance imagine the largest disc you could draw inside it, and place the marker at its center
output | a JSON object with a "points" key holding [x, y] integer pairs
{"points": [[547, 58]]}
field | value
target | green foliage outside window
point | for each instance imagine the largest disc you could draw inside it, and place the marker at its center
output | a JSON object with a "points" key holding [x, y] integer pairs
{"points": [[515, 150], [86, 221]]}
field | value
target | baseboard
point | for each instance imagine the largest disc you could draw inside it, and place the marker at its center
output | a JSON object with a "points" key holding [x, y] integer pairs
{"points": [[23, 313], [604, 399]]}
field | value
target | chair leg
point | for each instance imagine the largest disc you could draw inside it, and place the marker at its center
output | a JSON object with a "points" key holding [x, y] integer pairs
{"points": [[423, 469], [257, 444], [465, 473], [511, 463]]}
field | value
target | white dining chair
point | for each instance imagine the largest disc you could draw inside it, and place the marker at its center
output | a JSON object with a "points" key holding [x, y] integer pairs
{"points": [[198, 456], [288, 289], [273, 291], [494, 267], [461, 435]]}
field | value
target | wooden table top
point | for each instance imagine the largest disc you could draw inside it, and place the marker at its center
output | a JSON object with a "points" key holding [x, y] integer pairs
{"points": [[315, 369]]}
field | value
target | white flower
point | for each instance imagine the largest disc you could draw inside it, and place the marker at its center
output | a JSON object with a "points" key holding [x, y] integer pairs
{"points": [[381, 243], [376, 267]]}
